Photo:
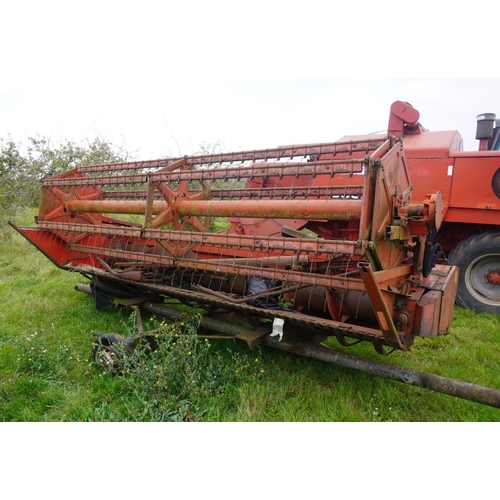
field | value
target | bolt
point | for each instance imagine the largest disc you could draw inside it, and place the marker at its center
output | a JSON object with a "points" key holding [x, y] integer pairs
{"points": [[403, 319]]}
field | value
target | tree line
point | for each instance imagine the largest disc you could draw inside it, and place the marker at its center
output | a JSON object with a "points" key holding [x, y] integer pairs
{"points": [[24, 166]]}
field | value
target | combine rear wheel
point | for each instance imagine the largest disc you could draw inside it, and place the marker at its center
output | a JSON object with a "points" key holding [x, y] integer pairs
{"points": [[478, 259]]}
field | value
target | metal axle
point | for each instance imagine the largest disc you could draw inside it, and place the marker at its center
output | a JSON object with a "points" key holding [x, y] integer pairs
{"points": [[436, 383]]}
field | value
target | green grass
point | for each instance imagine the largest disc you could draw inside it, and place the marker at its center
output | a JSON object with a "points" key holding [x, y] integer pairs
{"points": [[47, 374]]}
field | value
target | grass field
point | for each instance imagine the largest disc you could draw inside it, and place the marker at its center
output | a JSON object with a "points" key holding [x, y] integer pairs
{"points": [[47, 374]]}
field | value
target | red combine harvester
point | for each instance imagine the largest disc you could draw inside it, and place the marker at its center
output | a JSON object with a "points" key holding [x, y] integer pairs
{"points": [[469, 183], [347, 239]]}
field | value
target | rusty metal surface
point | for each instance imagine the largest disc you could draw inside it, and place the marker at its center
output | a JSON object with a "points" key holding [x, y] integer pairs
{"points": [[305, 321], [308, 209], [257, 170], [297, 192], [307, 150], [381, 306]]}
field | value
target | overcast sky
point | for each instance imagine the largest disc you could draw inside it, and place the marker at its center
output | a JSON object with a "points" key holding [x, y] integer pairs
{"points": [[162, 79]]}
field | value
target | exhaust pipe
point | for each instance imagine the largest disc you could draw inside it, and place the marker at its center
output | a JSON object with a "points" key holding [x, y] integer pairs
{"points": [[484, 131]]}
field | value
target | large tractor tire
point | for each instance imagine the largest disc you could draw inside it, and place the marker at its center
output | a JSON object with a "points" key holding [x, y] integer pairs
{"points": [[478, 260]]}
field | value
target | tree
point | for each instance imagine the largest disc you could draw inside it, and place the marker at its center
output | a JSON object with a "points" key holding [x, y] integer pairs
{"points": [[23, 168], [46, 160], [12, 168]]}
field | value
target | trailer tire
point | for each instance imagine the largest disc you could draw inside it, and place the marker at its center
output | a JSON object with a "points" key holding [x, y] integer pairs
{"points": [[108, 357], [478, 260]]}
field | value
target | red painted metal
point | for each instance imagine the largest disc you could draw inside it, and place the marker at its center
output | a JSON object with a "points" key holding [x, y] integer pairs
{"points": [[403, 120]]}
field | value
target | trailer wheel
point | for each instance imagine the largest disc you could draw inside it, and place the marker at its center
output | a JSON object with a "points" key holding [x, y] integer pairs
{"points": [[478, 259], [109, 351], [108, 357]]}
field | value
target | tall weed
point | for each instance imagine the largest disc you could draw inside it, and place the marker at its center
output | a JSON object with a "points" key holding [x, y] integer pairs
{"points": [[176, 374]]}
